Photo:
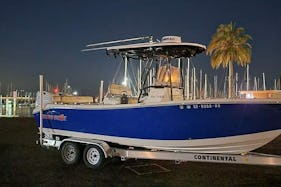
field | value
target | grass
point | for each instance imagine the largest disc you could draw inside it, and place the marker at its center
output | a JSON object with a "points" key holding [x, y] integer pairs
{"points": [[23, 163]]}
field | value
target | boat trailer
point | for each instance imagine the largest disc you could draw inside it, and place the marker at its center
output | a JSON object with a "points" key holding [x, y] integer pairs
{"points": [[96, 151]]}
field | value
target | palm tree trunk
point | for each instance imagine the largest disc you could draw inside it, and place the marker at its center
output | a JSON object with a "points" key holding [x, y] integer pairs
{"points": [[230, 79]]}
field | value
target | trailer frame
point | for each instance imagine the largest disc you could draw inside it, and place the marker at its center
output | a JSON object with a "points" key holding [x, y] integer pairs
{"points": [[251, 158]]}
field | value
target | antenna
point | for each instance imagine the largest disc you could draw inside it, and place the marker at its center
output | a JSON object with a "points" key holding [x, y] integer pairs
{"points": [[114, 42]]}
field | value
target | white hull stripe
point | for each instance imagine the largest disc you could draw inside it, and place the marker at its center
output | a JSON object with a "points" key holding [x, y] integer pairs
{"points": [[234, 144]]}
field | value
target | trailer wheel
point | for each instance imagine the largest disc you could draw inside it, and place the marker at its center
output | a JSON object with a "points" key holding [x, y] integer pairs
{"points": [[93, 156], [70, 153]]}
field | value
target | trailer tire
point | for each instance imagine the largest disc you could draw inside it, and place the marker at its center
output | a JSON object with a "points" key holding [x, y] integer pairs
{"points": [[93, 156], [70, 153]]}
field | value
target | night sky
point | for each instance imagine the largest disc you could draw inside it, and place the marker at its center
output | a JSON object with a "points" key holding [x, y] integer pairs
{"points": [[46, 37]]}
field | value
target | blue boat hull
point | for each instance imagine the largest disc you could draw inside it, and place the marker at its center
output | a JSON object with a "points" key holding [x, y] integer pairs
{"points": [[169, 123], [175, 122]]}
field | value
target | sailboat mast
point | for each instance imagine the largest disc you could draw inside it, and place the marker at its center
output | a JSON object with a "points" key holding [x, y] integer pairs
{"points": [[236, 84], [263, 80], [275, 84], [205, 87], [255, 84], [200, 83], [194, 83], [248, 78], [215, 86]]}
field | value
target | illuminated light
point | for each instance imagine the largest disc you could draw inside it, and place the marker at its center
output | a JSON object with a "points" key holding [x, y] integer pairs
{"points": [[249, 96], [75, 93], [124, 83], [163, 76], [56, 90]]}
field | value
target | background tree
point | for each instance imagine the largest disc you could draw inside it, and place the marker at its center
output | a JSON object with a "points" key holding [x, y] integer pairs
{"points": [[229, 45]]}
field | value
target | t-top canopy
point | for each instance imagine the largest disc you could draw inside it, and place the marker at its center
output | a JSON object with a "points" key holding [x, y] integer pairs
{"points": [[169, 47]]}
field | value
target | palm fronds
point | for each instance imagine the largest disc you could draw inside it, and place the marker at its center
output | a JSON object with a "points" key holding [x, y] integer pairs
{"points": [[229, 44]]}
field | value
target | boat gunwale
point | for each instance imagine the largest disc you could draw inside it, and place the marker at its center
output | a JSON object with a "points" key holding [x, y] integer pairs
{"points": [[158, 104]]}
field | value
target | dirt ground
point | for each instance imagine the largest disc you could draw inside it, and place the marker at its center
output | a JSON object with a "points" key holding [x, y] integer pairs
{"points": [[23, 163]]}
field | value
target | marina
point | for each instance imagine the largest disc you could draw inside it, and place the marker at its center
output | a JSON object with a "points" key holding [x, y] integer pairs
{"points": [[16, 106], [140, 93], [165, 114]]}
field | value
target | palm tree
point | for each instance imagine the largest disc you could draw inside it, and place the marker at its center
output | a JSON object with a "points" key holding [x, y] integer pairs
{"points": [[229, 45]]}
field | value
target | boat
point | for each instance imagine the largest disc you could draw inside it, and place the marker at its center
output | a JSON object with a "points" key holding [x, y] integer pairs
{"points": [[162, 116]]}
